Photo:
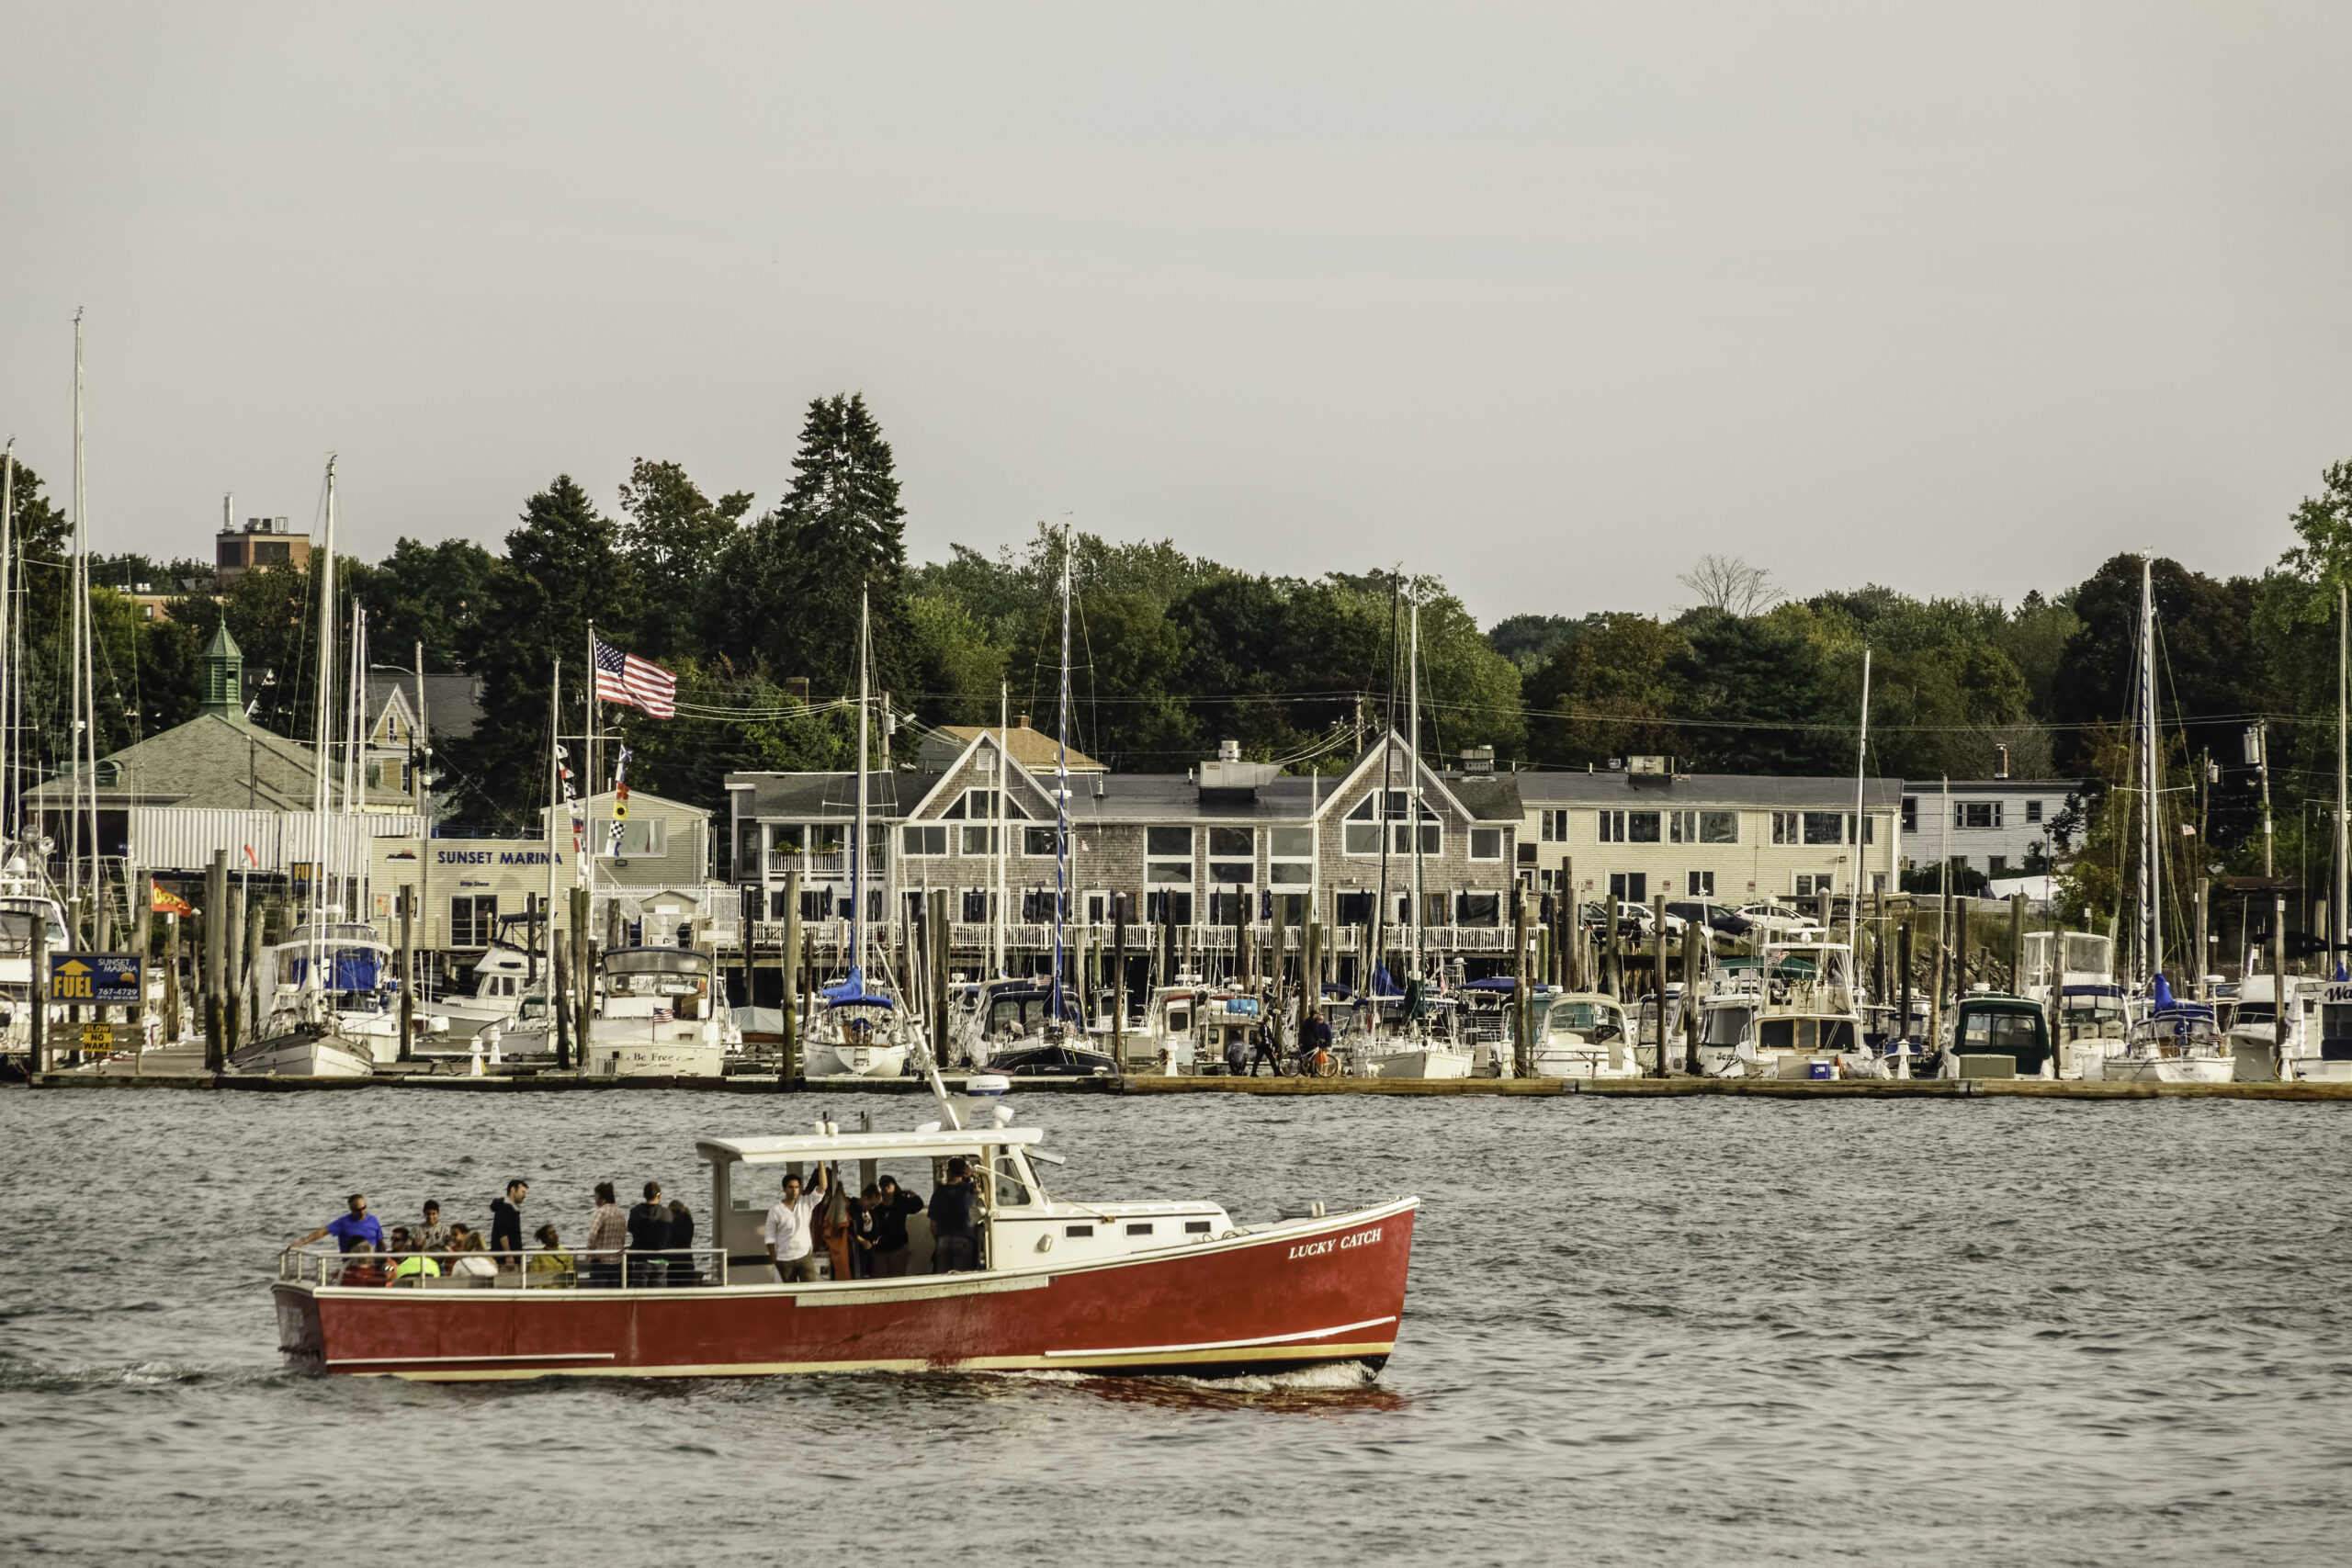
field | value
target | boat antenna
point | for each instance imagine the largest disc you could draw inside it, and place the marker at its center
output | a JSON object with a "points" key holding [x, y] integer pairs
{"points": [[857, 851]]}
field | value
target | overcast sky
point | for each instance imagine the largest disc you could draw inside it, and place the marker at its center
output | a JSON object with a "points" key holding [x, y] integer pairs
{"points": [[1549, 300]]}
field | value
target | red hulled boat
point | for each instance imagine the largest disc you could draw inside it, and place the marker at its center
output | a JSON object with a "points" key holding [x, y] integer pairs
{"points": [[1127, 1287]]}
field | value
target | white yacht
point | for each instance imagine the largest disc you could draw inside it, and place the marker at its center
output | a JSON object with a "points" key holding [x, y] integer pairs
{"points": [[659, 1012], [502, 979], [333, 1005], [24, 905], [1585, 1035], [2078, 969], [857, 1034]]}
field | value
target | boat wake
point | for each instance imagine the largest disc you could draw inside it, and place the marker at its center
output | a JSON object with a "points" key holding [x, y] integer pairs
{"points": [[1331, 1388]]}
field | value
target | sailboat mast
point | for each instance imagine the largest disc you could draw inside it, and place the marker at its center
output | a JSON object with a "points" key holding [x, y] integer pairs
{"points": [[2152, 882], [1061, 803], [857, 847], [79, 589], [8, 667], [322, 721], [1413, 804], [555, 808], [998, 815], [1862, 830], [2336, 911]]}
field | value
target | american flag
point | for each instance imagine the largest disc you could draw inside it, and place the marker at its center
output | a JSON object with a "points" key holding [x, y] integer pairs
{"points": [[638, 683]]}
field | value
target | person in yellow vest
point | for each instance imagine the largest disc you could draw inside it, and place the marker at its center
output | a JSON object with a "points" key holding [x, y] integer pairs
{"points": [[413, 1268]]}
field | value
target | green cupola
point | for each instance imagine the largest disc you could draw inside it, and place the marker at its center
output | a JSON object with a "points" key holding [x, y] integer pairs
{"points": [[224, 677]]}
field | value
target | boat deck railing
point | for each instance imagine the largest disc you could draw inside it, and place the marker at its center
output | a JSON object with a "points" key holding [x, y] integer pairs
{"points": [[669, 1267]]}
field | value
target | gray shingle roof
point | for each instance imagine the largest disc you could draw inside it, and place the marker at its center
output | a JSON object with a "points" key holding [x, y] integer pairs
{"points": [[215, 763], [1542, 789]]}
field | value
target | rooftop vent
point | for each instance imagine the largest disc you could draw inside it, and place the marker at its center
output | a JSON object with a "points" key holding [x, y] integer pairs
{"points": [[1228, 750], [1231, 773], [2001, 761], [1478, 760], [1650, 766]]}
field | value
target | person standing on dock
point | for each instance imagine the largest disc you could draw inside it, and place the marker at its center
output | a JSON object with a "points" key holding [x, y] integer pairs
{"points": [[789, 1233], [506, 1226], [350, 1229]]}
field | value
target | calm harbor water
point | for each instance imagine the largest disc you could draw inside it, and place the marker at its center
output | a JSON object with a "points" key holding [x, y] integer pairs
{"points": [[1706, 1331]]}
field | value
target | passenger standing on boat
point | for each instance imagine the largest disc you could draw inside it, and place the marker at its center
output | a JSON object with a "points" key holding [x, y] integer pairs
{"points": [[789, 1230], [350, 1229], [607, 1234], [955, 1213], [506, 1224], [432, 1235], [649, 1234], [861, 1233], [892, 1252]]}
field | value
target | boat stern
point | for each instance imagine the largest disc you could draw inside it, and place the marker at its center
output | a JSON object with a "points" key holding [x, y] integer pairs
{"points": [[299, 1333]]}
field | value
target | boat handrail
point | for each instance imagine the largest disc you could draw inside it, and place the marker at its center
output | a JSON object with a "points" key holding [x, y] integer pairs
{"points": [[322, 1264]]}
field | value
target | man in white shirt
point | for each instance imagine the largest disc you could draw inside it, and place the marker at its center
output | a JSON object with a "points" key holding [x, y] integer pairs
{"points": [[790, 1230]]}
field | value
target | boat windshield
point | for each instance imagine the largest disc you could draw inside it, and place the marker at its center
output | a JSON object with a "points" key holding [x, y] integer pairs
{"points": [[656, 972], [2008, 1032], [1594, 1020], [16, 930], [1727, 1026]]}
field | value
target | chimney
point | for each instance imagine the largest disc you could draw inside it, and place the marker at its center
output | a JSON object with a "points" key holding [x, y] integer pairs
{"points": [[1021, 721], [2001, 764]]}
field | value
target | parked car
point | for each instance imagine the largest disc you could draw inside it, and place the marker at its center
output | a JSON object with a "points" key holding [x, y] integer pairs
{"points": [[1781, 923], [1721, 918]]}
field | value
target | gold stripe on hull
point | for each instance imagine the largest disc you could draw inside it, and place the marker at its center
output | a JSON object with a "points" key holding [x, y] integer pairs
{"points": [[974, 1364]]}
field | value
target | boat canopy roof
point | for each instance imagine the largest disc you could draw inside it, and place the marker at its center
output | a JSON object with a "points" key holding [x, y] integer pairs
{"points": [[340, 933], [2000, 1002], [657, 960], [807, 1146]]}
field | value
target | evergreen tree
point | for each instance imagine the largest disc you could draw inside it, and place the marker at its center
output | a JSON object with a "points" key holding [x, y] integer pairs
{"points": [[793, 579], [564, 571], [675, 536]]}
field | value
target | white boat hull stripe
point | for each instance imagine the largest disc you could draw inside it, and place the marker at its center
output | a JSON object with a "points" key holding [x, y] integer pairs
{"points": [[1228, 1344]]}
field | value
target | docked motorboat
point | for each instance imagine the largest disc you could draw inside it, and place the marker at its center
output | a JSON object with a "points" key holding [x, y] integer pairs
{"points": [[1992, 1023], [658, 1014], [24, 905], [1585, 1035], [1167, 1285], [2320, 1055], [502, 977], [1791, 1010]]}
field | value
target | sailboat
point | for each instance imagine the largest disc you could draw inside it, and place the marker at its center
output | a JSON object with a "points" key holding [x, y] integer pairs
{"points": [[2170, 1041], [858, 1032], [2313, 1028], [331, 986], [27, 898], [1418, 1051]]}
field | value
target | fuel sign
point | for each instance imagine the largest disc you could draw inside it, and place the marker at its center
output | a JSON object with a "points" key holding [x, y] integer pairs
{"points": [[107, 979]]}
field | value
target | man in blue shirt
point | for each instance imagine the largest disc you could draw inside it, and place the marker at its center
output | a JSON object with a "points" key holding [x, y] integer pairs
{"points": [[350, 1227]]}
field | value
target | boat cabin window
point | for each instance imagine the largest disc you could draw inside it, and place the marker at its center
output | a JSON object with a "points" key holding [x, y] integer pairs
{"points": [[2257, 1013], [2007, 1032], [1727, 1026], [1012, 1188], [2335, 1031], [657, 971], [16, 932]]}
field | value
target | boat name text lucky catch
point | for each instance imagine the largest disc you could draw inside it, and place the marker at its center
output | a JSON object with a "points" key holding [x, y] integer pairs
{"points": [[1335, 1243]]}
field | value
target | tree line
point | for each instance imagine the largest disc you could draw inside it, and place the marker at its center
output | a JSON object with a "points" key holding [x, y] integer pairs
{"points": [[1173, 653]]}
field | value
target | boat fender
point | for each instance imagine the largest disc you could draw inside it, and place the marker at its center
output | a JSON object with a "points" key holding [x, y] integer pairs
{"points": [[1044, 1243]]}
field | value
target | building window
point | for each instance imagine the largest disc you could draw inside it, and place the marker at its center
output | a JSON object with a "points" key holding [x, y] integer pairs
{"points": [[1039, 841], [272, 552], [1486, 843], [1976, 814], [1225, 844], [978, 840], [232, 552], [473, 919], [1701, 884], [1360, 835], [646, 837], [1232, 874], [976, 906], [923, 839], [975, 806], [1354, 909], [1705, 827], [1630, 886], [1290, 856], [1910, 813], [1401, 836], [1479, 910], [1169, 873], [1555, 826], [1996, 865], [1824, 827], [1165, 843], [2033, 811], [1813, 885], [1167, 907], [1630, 827]]}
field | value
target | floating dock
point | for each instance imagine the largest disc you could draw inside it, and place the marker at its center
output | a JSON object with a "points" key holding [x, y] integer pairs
{"points": [[1679, 1088]]}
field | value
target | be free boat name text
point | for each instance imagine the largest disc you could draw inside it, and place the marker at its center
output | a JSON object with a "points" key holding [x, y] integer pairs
{"points": [[1335, 1243]]}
